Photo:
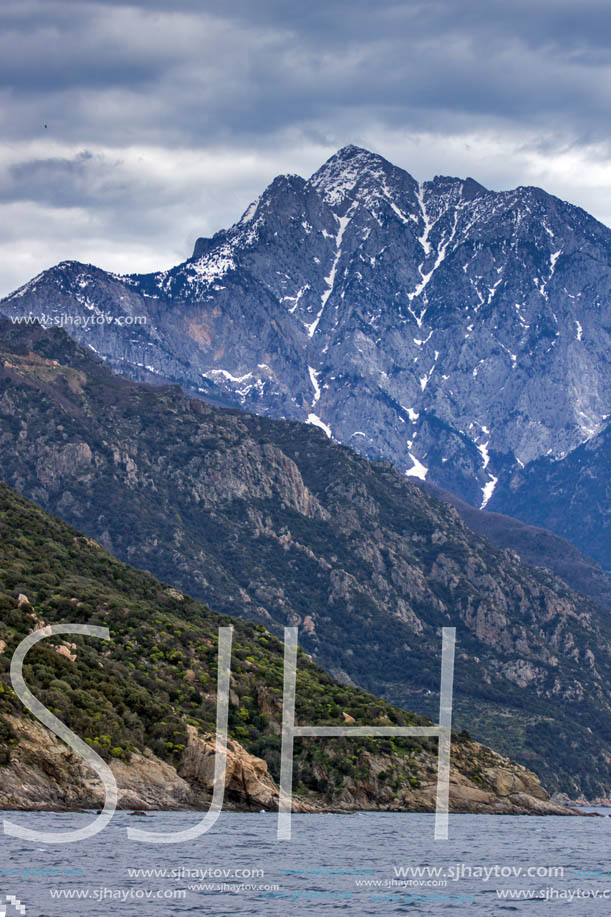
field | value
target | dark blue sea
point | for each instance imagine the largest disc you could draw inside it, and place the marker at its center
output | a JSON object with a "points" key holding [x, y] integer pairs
{"points": [[363, 864]]}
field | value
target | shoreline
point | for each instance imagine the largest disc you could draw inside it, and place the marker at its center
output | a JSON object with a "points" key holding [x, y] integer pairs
{"points": [[149, 813]]}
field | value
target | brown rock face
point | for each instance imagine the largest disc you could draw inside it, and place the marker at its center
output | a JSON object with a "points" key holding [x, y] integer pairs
{"points": [[247, 778], [45, 774]]}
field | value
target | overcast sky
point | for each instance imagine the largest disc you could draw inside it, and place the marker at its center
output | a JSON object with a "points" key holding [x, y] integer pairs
{"points": [[128, 130]]}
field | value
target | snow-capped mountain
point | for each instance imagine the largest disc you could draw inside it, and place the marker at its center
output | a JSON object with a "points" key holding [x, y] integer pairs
{"points": [[459, 332]]}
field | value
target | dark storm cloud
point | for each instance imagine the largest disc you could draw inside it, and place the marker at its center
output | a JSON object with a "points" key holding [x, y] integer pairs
{"points": [[129, 89], [240, 70], [84, 180]]}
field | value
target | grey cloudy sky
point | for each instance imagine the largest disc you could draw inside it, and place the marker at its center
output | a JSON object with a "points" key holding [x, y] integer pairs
{"points": [[163, 125]]}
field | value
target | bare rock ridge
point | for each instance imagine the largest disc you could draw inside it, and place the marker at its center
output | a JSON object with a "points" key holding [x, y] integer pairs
{"points": [[459, 332]]}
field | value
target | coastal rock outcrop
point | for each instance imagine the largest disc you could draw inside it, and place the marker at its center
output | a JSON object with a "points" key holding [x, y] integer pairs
{"points": [[44, 774]]}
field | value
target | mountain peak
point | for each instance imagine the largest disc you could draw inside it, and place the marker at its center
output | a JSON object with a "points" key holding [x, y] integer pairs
{"points": [[472, 188], [350, 168], [351, 151], [449, 306], [351, 156]]}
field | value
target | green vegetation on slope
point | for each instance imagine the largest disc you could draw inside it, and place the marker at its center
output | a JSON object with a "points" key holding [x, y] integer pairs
{"points": [[159, 671]]}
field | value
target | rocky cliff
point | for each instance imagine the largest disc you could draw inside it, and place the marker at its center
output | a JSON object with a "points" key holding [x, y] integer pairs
{"points": [[571, 497]]}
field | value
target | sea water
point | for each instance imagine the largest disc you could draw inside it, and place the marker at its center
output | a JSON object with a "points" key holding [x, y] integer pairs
{"points": [[364, 864]]}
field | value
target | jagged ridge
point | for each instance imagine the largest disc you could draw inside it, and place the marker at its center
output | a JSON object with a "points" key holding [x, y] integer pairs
{"points": [[457, 331]]}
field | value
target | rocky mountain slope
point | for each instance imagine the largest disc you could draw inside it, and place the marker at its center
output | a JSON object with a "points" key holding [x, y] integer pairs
{"points": [[459, 332], [539, 547], [572, 497], [271, 521], [146, 700]]}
